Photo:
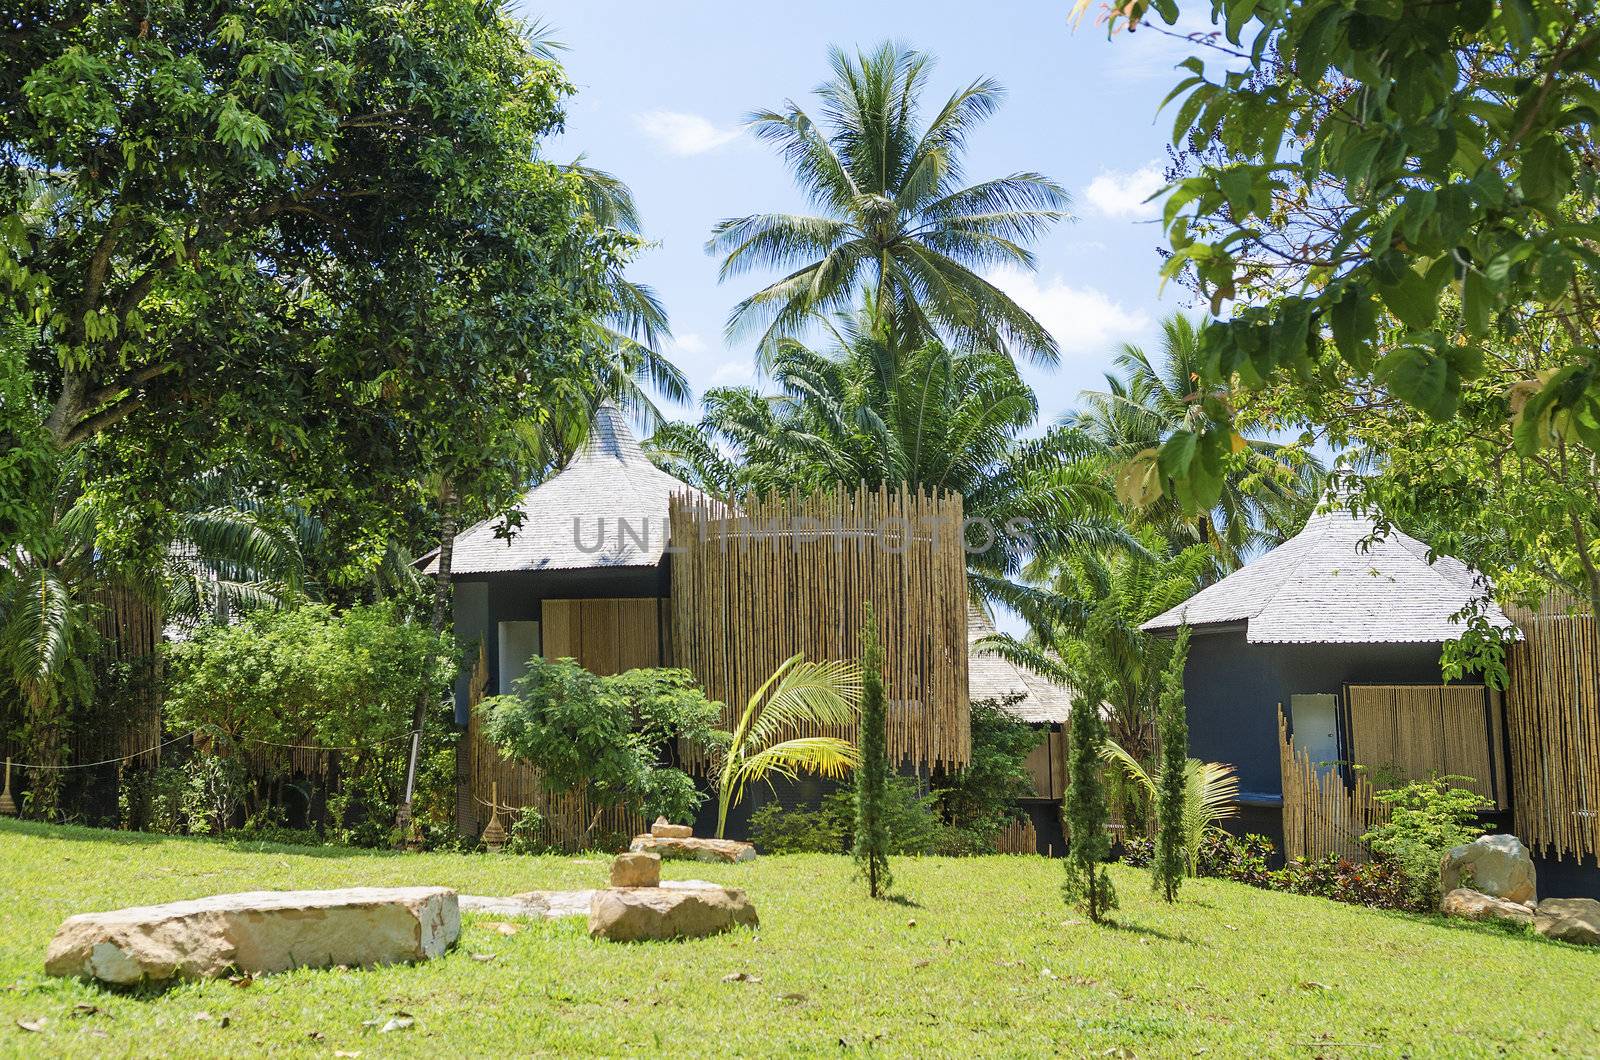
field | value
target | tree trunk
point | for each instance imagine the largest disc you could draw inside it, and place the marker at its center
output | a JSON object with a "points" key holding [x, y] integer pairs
{"points": [[441, 611]]}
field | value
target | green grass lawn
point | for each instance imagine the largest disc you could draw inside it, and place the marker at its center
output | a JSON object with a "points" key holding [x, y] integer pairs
{"points": [[980, 957]]}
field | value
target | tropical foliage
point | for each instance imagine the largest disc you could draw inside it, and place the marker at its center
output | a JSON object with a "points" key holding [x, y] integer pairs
{"points": [[800, 694]]}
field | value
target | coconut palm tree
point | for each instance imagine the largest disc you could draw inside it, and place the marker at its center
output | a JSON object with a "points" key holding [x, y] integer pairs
{"points": [[933, 417], [1265, 499], [798, 695], [895, 220]]}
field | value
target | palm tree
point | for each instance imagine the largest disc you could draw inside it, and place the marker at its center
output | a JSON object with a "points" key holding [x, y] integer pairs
{"points": [[1265, 499], [798, 695], [895, 221], [934, 418]]}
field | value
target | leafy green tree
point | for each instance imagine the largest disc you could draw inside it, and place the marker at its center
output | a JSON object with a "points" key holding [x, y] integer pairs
{"points": [[1172, 860], [1363, 168], [895, 221], [872, 837], [798, 695], [1088, 845], [606, 736], [293, 241]]}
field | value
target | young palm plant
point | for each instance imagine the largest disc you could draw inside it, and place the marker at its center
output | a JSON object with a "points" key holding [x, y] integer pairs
{"points": [[799, 695], [1209, 792]]}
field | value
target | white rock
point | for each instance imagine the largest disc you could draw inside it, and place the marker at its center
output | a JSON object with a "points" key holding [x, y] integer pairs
{"points": [[257, 932], [1500, 867]]}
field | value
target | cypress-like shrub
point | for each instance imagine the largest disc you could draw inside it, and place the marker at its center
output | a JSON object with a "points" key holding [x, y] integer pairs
{"points": [[1171, 861], [872, 777], [1087, 883]]}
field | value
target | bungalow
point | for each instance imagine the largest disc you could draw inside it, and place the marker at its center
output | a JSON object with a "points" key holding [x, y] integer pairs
{"points": [[617, 564], [1319, 663]]}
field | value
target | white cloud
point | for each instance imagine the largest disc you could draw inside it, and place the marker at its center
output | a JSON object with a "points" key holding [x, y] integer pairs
{"points": [[690, 343], [1122, 194], [683, 134], [734, 373], [1082, 319]]}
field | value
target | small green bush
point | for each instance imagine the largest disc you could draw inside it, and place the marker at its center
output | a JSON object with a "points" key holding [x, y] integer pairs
{"points": [[979, 801], [1426, 819]]}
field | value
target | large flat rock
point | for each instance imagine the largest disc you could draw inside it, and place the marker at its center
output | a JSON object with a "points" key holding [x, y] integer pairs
{"points": [[257, 932], [639, 914], [692, 848], [554, 905]]}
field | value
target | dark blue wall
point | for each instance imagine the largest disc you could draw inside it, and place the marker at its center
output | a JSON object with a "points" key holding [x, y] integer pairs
{"points": [[483, 601], [1233, 690]]}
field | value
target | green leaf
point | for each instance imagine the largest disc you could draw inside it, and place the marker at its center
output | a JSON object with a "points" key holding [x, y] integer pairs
{"points": [[1422, 379], [1413, 299], [1355, 324], [1177, 454], [1477, 303], [1545, 170]]}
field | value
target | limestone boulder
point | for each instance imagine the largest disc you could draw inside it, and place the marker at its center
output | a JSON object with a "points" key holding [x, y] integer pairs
{"points": [[665, 829], [636, 870], [257, 932], [1473, 905], [693, 849], [640, 914], [1569, 920], [1499, 866]]}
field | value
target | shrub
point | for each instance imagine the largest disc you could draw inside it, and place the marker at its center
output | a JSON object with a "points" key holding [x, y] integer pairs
{"points": [[1173, 857], [1087, 881], [609, 735], [1381, 884], [1426, 819], [979, 801], [910, 818], [345, 680]]}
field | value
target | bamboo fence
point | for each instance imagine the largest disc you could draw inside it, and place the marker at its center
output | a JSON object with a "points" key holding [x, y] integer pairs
{"points": [[1553, 725], [793, 573], [1322, 816], [1412, 732], [1019, 837]]}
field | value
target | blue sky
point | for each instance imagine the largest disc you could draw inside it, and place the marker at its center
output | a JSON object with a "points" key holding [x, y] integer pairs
{"points": [[663, 88]]}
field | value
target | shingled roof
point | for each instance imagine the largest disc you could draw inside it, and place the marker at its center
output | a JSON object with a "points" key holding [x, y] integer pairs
{"points": [[1336, 583], [606, 508], [1023, 695]]}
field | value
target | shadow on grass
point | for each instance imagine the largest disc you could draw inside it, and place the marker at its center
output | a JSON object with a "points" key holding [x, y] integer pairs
{"points": [[1146, 932], [900, 899], [77, 833]]}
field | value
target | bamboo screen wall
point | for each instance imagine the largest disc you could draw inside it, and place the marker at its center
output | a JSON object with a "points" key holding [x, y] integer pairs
{"points": [[1416, 731], [1553, 728], [1320, 815], [792, 574], [605, 637], [1018, 837]]}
